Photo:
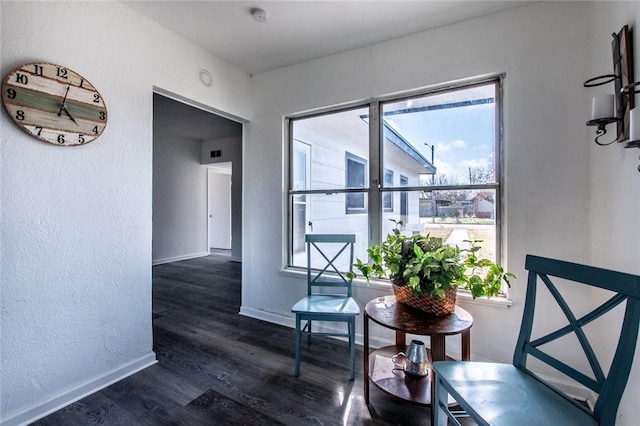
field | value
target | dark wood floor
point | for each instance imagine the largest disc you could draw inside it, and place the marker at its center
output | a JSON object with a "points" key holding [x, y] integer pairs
{"points": [[216, 367]]}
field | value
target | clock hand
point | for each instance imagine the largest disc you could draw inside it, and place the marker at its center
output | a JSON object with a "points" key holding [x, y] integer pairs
{"points": [[64, 107]]}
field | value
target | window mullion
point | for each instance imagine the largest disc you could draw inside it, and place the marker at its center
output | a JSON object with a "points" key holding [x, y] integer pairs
{"points": [[375, 173]]}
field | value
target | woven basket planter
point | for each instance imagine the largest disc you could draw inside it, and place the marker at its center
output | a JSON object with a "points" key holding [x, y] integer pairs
{"points": [[439, 306]]}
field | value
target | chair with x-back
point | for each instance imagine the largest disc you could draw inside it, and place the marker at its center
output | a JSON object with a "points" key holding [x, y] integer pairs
{"points": [[328, 292], [512, 394]]}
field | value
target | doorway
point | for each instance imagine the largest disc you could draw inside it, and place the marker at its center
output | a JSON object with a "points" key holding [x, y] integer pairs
{"points": [[188, 139], [219, 201]]}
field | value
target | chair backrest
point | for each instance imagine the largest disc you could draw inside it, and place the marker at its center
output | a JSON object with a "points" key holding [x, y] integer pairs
{"points": [[625, 288], [329, 256]]}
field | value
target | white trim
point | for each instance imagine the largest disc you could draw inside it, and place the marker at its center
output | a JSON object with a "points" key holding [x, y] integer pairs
{"points": [[572, 389], [199, 105], [591, 399], [81, 390], [178, 258], [301, 273], [463, 299], [271, 317]]}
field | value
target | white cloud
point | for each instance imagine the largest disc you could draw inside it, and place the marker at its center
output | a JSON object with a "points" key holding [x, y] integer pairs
{"points": [[444, 168], [443, 147], [448, 146]]}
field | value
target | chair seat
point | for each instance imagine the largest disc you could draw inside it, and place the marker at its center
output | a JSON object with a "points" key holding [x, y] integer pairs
{"points": [[326, 305], [505, 395]]}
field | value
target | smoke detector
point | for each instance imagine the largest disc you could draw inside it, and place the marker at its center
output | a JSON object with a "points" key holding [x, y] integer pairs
{"points": [[259, 15]]}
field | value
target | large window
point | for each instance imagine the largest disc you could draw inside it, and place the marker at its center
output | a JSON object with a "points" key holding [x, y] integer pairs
{"points": [[430, 160]]}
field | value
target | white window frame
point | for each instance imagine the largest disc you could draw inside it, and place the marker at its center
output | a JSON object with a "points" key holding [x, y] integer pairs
{"points": [[376, 170]]}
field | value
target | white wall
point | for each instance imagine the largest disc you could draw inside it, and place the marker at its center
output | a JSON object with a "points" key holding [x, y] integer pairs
{"points": [[76, 222], [231, 148], [179, 199], [564, 197], [614, 186], [542, 50]]}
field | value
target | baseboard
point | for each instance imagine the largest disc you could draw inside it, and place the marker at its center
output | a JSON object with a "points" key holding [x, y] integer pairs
{"points": [[178, 258], [81, 390], [591, 399], [573, 390], [268, 317], [286, 321]]}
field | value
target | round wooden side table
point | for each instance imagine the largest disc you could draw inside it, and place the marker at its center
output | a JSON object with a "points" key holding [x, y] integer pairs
{"points": [[378, 367]]}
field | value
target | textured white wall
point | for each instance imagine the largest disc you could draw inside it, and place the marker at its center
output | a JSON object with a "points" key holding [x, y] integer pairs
{"points": [[75, 228]]}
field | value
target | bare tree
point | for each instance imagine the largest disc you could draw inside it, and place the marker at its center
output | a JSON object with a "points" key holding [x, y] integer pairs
{"points": [[479, 175]]}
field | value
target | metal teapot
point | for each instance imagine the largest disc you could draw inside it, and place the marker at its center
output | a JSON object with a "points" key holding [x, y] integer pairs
{"points": [[415, 360]]}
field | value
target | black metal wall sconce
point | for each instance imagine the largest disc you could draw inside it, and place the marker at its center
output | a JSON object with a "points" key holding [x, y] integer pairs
{"points": [[617, 107]]}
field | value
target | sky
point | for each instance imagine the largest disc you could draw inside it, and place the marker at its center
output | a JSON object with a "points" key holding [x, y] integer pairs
{"points": [[463, 136]]}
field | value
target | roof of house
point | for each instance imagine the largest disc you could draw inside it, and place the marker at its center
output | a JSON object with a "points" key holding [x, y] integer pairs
{"points": [[392, 135]]}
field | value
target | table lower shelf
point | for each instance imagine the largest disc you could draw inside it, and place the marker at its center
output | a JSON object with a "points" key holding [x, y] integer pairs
{"points": [[396, 383]]}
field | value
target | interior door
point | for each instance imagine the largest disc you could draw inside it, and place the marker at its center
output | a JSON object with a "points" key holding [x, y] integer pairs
{"points": [[219, 189]]}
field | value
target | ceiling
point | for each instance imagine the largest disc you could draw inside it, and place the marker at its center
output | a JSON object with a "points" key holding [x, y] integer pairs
{"points": [[297, 31]]}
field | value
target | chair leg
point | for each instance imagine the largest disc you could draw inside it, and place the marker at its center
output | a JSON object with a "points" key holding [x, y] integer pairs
{"points": [[352, 347], [297, 347], [309, 331], [440, 417]]}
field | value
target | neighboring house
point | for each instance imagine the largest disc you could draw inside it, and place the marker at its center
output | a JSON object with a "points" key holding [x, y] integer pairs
{"points": [[331, 154], [483, 209], [477, 207]]}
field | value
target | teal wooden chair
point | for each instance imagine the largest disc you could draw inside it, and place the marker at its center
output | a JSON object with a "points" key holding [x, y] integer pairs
{"points": [[511, 394], [328, 292]]}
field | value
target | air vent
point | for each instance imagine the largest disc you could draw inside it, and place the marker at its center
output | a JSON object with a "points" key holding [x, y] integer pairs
{"points": [[217, 153]]}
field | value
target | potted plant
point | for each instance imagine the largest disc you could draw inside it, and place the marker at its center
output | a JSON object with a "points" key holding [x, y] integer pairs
{"points": [[425, 273]]}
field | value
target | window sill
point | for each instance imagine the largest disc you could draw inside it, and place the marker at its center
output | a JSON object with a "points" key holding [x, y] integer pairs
{"points": [[463, 297]]}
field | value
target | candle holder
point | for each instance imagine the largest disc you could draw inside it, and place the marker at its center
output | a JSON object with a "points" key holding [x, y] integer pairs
{"points": [[624, 94], [601, 129], [624, 89]]}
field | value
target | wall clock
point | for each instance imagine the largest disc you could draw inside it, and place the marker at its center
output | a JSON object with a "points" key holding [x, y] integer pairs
{"points": [[54, 104]]}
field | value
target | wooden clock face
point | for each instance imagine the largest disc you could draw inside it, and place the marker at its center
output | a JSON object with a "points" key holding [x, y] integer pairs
{"points": [[54, 104]]}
